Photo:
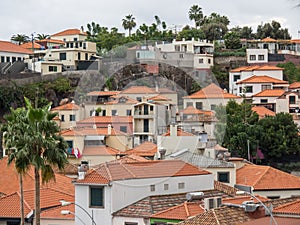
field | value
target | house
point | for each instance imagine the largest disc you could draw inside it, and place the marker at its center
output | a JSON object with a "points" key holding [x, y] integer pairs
{"points": [[222, 170], [209, 97], [269, 99], [146, 149], [113, 186], [255, 84], [267, 181], [244, 72], [12, 57]]}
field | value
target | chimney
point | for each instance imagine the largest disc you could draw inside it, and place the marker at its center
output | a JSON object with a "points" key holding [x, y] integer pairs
{"points": [[109, 129], [82, 169], [173, 130]]}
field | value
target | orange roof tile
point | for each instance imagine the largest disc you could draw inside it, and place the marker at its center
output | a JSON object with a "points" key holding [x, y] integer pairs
{"points": [[118, 170], [294, 85], [106, 119], [28, 45], [289, 208], [55, 41], [122, 100], [256, 67], [61, 182], [180, 212], [147, 148], [265, 178], [211, 91], [55, 213], [262, 79], [132, 158], [90, 131], [138, 90], [270, 93], [268, 39], [68, 106], [159, 98], [295, 41], [99, 151], [269, 67], [103, 93], [263, 111], [69, 32], [6, 46], [241, 199], [192, 110]]}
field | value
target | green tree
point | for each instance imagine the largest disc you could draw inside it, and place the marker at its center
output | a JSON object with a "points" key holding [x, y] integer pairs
{"points": [[244, 32], [188, 33], [232, 40], [215, 26], [20, 38], [196, 14], [129, 23], [272, 30], [39, 146], [291, 72], [42, 36]]}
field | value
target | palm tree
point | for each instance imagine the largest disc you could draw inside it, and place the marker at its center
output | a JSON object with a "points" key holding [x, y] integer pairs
{"points": [[196, 14], [42, 36], [20, 38], [39, 146], [128, 23]]}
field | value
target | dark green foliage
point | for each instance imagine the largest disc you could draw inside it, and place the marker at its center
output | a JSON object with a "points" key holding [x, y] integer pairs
{"points": [[290, 72], [188, 33], [272, 30], [232, 40]]}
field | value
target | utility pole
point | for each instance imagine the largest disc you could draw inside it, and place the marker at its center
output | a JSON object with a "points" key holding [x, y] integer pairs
{"points": [[32, 46]]}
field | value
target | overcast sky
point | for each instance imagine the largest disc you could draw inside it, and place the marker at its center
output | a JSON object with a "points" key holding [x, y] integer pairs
{"points": [[51, 16]]}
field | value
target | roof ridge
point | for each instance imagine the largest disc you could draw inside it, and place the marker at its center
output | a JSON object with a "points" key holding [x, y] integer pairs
{"points": [[24, 200], [186, 209], [107, 170], [287, 204], [216, 217], [268, 167]]}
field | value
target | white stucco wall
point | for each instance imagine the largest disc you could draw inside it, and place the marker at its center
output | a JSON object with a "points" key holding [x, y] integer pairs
{"points": [[121, 220]]}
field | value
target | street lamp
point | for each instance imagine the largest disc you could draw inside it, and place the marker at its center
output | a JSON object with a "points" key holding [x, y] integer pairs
{"points": [[66, 212], [65, 203]]}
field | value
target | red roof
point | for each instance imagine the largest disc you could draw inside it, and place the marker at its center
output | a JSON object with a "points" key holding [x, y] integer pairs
{"points": [[253, 68], [159, 98], [270, 93], [103, 93], [212, 91], [55, 213], [262, 79], [263, 111], [266, 178], [48, 40], [117, 170], [68, 106], [107, 119], [192, 110], [138, 90], [6, 46], [294, 85], [99, 150], [28, 45], [147, 148], [91, 131], [69, 32], [292, 208], [268, 39], [180, 212], [240, 199]]}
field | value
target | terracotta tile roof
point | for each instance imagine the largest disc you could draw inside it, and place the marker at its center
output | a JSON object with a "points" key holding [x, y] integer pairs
{"points": [[69, 32], [103, 93], [253, 68], [49, 198], [55, 41], [137, 170], [132, 158], [230, 191], [192, 110], [292, 208], [262, 79], [263, 111], [268, 39], [55, 213], [28, 45], [180, 132], [211, 91], [6, 46], [159, 98], [68, 106], [294, 85], [219, 216], [138, 90], [295, 41], [280, 220], [270, 93], [99, 151], [78, 131], [180, 212], [106, 120], [61, 182], [266, 178], [122, 100], [240, 199], [147, 148]]}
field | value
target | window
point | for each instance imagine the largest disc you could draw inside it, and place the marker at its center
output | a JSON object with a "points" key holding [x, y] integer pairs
{"points": [[261, 57], [252, 57], [236, 77], [189, 104], [209, 61], [96, 197], [139, 99], [265, 87], [128, 112], [181, 185], [181, 56], [75, 39], [166, 187], [200, 61], [84, 45], [130, 223], [123, 129], [137, 55], [13, 59], [223, 177], [114, 112], [62, 56], [152, 187], [2, 59], [249, 89], [86, 56], [292, 99], [264, 100], [70, 147], [52, 68], [211, 203], [273, 197], [213, 106], [151, 107], [7, 59], [62, 118], [199, 105], [19, 59], [93, 143], [72, 118]]}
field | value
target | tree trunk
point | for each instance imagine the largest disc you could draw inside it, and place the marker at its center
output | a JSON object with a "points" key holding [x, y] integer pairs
{"points": [[21, 199], [37, 213]]}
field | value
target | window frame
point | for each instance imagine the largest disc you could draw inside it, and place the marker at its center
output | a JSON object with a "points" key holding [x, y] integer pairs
{"points": [[91, 204], [224, 173]]}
